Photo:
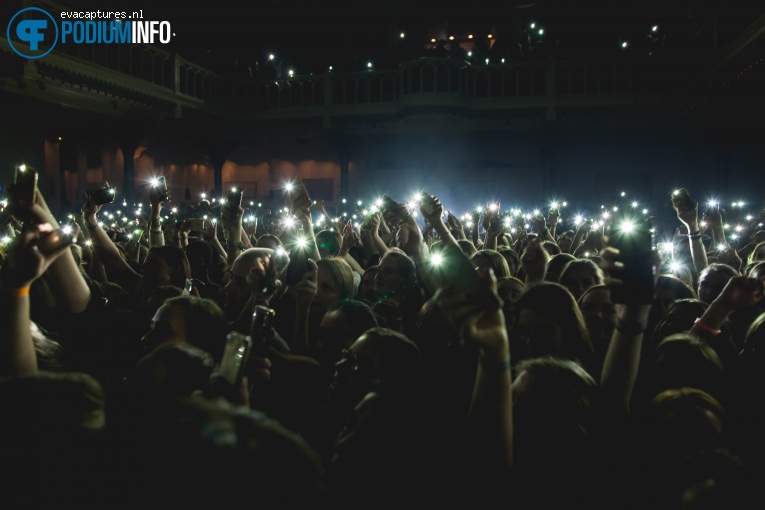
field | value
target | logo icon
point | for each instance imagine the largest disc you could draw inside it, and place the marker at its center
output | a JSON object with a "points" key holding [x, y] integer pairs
{"points": [[25, 33]]}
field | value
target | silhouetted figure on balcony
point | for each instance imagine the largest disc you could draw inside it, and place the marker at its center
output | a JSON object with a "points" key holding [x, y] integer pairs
{"points": [[440, 50], [457, 51]]}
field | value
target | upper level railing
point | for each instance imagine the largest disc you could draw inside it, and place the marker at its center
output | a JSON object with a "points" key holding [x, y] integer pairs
{"points": [[153, 71]]}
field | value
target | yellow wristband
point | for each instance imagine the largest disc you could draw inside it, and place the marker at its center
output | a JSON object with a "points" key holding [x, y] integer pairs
{"points": [[15, 291]]}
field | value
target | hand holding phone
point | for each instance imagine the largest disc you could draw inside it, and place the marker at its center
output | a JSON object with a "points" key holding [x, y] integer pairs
{"points": [[300, 201], [194, 224], [236, 354], [234, 199], [24, 187], [103, 196], [298, 261], [158, 193], [52, 241], [393, 210], [681, 200], [637, 271]]}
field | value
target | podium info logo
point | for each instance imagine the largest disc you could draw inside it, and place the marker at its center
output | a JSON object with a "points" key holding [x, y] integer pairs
{"points": [[33, 32]]}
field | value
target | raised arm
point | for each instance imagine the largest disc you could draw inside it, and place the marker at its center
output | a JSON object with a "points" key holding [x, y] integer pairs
{"points": [[374, 232], [211, 235], [232, 227], [712, 219], [534, 261], [301, 208], [103, 246], [491, 406], [620, 368], [345, 248], [24, 264], [67, 284], [688, 213], [739, 292], [156, 197]]}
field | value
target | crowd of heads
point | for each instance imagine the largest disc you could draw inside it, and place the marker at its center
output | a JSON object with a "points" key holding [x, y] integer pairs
{"points": [[361, 383]]}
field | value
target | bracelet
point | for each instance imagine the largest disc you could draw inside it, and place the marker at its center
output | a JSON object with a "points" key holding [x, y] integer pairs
{"points": [[239, 245], [156, 230], [631, 328], [706, 329], [494, 366], [696, 234], [91, 227], [15, 291]]}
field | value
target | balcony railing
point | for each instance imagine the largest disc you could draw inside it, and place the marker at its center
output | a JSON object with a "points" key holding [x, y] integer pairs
{"points": [[153, 71]]}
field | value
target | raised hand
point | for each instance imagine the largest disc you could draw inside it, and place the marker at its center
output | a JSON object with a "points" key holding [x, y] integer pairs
{"points": [[90, 209], [534, 260], [455, 226], [712, 218], [742, 292], [432, 209], [374, 222], [25, 262], [348, 238], [477, 324], [686, 208], [211, 230], [729, 256], [539, 223], [263, 278], [552, 217], [307, 287]]}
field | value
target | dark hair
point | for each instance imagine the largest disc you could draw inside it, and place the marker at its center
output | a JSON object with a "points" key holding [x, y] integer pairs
{"points": [[589, 264], [551, 247], [329, 241], [398, 358], [496, 261], [675, 285], [205, 323], [176, 259], [268, 241], [467, 247], [556, 264], [556, 304], [408, 271], [184, 370], [357, 315], [200, 250]]}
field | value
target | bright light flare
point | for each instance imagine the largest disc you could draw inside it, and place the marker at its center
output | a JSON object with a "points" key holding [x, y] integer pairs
{"points": [[436, 259]]}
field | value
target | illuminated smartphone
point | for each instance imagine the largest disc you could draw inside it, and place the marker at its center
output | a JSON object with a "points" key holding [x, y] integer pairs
{"points": [[635, 245], [298, 264], [103, 196], [236, 353], [234, 199], [682, 199], [25, 185], [51, 242], [196, 224]]}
